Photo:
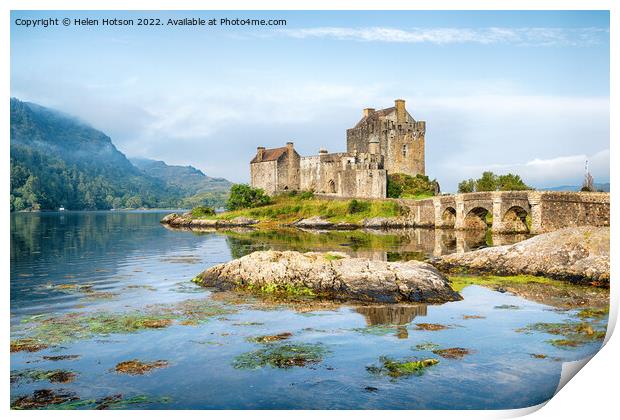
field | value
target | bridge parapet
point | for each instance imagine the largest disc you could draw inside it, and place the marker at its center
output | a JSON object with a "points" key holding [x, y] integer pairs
{"points": [[512, 211]]}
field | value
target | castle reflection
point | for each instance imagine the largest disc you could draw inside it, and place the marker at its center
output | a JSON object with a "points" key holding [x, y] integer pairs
{"points": [[378, 245]]}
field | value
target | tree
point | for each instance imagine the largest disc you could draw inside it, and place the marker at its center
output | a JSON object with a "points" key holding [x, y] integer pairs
{"points": [[467, 186], [407, 186], [491, 182], [588, 181], [488, 182], [243, 196], [511, 182]]}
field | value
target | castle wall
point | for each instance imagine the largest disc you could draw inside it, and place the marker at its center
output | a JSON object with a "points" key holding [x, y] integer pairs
{"points": [[264, 175], [288, 172], [370, 183], [401, 142]]}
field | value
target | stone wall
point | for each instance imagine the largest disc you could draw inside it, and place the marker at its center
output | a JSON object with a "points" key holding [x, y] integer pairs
{"points": [[265, 175], [339, 174], [563, 209]]}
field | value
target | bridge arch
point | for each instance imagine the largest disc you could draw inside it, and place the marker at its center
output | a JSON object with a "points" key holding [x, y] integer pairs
{"points": [[515, 219], [448, 217], [477, 218]]}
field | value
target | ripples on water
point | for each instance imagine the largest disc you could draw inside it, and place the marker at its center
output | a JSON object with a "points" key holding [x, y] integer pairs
{"points": [[93, 262]]}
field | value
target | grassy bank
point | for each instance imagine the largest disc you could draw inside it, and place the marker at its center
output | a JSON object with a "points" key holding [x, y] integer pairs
{"points": [[290, 208]]}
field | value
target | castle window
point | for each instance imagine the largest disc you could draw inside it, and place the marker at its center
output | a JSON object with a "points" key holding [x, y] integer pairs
{"points": [[404, 150]]}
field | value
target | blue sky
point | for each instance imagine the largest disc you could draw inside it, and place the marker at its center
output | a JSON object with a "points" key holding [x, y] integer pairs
{"points": [[526, 92]]}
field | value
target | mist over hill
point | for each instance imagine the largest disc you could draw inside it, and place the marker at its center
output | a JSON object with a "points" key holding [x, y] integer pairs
{"points": [[59, 161]]}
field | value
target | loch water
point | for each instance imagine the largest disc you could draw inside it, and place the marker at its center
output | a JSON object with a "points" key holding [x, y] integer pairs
{"points": [[100, 266]]}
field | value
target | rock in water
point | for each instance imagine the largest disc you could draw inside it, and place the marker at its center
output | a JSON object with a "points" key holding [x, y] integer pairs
{"points": [[579, 254], [332, 275]]}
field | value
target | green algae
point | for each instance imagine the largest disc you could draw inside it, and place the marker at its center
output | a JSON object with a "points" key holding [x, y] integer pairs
{"points": [[282, 356], [460, 282], [593, 313], [426, 346], [36, 375], [452, 353], [270, 338], [29, 345], [574, 334], [430, 327], [49, 331], [137, 367], [398, 368], [48, 399], [557, 293], [379, 329]]}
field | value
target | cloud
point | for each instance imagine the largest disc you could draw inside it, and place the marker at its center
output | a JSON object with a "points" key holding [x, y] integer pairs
{"points": [[554, 171], [485, 36]]}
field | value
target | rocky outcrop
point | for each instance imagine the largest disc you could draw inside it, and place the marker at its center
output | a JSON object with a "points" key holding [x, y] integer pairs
{"points": [[317, 222], [387, 223], [332, 275], [579, 254], [185, 220]]}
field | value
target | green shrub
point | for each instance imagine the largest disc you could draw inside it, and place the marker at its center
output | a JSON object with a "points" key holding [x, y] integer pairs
{"points": [[407, 186], [202, 211], [356, 206], [243, 196], [306, 195]]}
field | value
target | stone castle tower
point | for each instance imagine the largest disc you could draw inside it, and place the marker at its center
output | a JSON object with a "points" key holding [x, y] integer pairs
{"points": [[384, 141], [400, 137]]}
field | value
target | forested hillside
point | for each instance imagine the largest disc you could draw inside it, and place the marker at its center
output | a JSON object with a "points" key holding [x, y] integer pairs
{"points": [[59, 161]]}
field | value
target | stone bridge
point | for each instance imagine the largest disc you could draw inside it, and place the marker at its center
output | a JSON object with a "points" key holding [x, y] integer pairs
{"points": [[511, 211]]}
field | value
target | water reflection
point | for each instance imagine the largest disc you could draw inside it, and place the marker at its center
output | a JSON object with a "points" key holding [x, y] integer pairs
{"points": [[390, 315], [378, 245]]}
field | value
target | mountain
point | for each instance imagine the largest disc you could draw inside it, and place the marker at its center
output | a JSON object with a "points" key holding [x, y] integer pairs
{"points": [[186, 178], [604, 186], [60, 161]]}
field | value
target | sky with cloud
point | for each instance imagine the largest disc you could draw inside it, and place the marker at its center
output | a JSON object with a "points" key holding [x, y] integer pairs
{"points": [[524, 92]]}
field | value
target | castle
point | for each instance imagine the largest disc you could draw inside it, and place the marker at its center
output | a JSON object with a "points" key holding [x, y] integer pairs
{"points": [[384, 141]]}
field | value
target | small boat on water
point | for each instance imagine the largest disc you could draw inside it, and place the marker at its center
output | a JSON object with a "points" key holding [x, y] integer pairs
{"points": [[61, 208]]}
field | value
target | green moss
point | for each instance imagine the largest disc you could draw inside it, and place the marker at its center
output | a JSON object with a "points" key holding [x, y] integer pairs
{"points": [[332, 257], [397, 368], [281, 356], [281, 291], [459, 282]]}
